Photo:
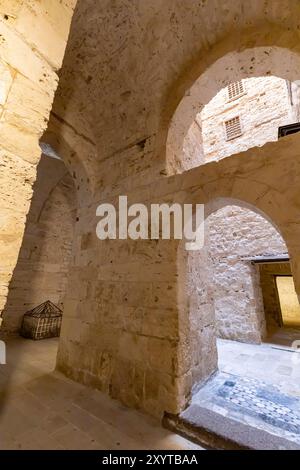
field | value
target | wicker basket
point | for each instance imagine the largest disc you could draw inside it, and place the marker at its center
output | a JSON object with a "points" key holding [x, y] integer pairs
{"points": [[42, 322]]}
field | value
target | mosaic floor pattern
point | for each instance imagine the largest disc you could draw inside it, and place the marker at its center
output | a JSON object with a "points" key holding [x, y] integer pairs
{"points": [[252, 402], [262, 401]]}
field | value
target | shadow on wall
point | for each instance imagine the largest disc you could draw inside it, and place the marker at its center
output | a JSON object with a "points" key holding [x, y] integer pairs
{"points": [[42, 267]]}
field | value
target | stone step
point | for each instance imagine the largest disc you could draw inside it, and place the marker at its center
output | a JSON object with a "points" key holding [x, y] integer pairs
{"points": [[213, 430]]}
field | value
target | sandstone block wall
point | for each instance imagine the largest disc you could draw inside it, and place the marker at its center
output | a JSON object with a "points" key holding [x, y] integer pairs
{"points": [[42, 269], [33, 37], [193, 145], [236, 233], [237, 64], [270, 293], [265, 105], [127, 68], [139, 319], [126, 329]]}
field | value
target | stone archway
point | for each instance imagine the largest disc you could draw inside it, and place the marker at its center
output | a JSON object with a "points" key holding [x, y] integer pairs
{"points": [[234, 66], [238, 235], [42, 269], [196, 301], [242, 177], [121, 125]]}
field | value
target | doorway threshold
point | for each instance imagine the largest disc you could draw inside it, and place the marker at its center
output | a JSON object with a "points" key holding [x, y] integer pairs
{"points": [[234, 412]]}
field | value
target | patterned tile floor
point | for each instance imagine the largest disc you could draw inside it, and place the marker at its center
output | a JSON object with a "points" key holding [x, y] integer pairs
{"points": [[275, 364], [258, 385], [263, 401]]}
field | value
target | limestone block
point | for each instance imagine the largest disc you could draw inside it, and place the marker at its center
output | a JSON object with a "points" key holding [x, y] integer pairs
{"points": [[133, 88], [160, 323], [133, 347], [6, 79], [262, 108], [29, 103], [18, 140], [46, 28], [161, 355], [20, 56], [9, 9]]}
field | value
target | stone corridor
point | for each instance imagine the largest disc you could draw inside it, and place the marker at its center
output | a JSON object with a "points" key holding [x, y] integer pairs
{"points": [[163, 103], [41, 409]]}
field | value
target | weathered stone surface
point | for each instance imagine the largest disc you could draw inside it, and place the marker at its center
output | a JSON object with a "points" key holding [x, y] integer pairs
{"points": [[265, 105], [116, 116], [121, 102], [236, 233], [30, 53], [41, 272]]}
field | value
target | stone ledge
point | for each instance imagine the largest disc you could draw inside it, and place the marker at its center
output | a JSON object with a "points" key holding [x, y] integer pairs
{"points": [[214, 431]]}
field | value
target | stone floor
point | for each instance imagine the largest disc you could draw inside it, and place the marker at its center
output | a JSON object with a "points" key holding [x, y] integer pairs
{"points": [[272, 363], [254, 399], [41, 409], [258, 386]]}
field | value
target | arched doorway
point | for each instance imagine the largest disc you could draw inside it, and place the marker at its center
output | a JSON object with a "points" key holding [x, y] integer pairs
{"points": [[232, 68], [41, 273], [238, 239], [227, 276]]}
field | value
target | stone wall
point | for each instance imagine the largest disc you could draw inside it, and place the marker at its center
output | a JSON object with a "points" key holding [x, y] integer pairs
{"points": [[235, 65], [128, 65], [265, 105], [122, 332], [270, 293], [41, 272], [236, 233], [33, 37], [193, 149]]}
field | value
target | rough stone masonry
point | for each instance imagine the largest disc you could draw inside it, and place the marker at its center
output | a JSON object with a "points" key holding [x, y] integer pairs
{"points": [[134, 77]]}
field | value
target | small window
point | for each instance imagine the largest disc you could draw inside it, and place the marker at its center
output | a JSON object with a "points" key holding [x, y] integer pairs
{"points": [[235, 90], [233, 128]]}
